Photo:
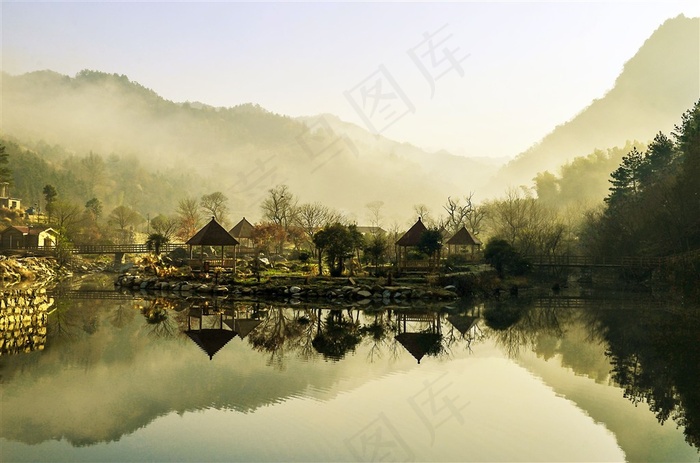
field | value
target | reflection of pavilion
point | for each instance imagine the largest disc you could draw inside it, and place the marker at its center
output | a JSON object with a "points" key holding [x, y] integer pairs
{"points": [[463, 323], [212, 327], [245, 321], [419, 333], [211, 339]]}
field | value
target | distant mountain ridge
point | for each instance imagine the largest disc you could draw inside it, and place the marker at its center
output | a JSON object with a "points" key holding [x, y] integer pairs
{"points": [[243, 151], [660, 82]]}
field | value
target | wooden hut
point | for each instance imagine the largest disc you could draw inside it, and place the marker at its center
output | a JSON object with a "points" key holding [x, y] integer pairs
{"points": [[409, 239], [213, 235], [243, 232], [463, 242]]}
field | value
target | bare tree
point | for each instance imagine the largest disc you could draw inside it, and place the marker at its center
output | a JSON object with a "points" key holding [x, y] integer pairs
{"points": [[215, 205], [67, 216], [375, 213], [525, 223], [280, 206], [164, 225], [311, 217], [189, 217], [463, 215], [124, 217]]}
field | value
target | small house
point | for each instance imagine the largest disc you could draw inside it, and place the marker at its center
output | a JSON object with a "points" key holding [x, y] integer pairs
{"points": [[23, 237], [5, 200]]}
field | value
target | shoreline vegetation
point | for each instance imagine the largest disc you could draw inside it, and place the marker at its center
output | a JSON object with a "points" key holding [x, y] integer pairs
{"points": [[155, 275]]}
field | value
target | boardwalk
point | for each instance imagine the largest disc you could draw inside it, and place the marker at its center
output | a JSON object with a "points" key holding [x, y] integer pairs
{"points": [[98, 249], [599, 262]]}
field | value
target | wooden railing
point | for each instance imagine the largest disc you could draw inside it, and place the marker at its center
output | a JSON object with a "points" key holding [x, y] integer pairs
{"points": [[590, 261]]}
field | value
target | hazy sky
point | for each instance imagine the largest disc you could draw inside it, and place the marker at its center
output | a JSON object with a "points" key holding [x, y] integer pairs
{"points": [[500, 77]]}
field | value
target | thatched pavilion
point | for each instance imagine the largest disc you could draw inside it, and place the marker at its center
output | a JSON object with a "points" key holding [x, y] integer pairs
{"points": [[243, 232], [409, 239], [462, 241], [213, 235]]}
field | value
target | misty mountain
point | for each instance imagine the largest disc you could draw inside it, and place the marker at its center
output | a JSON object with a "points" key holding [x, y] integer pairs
{"points": [[660, 82], [242, 151]]}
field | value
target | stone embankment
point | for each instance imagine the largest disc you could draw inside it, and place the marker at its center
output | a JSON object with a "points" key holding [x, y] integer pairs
{"points": [[321, 289], [35, 269], [23, 316]]}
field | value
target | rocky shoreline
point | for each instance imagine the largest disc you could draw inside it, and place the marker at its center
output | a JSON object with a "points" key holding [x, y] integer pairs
{"points": [[28, 269], [305, 288]]}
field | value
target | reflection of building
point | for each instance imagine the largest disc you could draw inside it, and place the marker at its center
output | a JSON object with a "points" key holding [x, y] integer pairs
{"points": [[22, 237], [5, 200], [419, 333], [463, 323], [211, 339], [245, 321]]}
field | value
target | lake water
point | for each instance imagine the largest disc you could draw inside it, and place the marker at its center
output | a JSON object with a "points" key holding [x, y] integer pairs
{"points": [[158, 379]]}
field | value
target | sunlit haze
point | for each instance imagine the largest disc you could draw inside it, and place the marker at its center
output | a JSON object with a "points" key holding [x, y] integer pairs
{"points": [[518, 68]]}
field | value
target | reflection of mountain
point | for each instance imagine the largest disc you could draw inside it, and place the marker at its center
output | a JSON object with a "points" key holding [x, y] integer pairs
{"points": [[121, 377], [108, 373], [660, 385]]}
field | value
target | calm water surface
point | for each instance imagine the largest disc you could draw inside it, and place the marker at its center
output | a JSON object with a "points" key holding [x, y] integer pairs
{"points": [[174, 380]]}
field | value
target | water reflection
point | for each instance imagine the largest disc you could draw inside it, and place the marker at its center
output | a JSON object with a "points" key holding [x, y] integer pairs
{"points": [[147, 353]]}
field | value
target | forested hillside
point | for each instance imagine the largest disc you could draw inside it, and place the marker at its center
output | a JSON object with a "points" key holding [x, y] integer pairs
{"points": [[661, 81], [242, 151]]}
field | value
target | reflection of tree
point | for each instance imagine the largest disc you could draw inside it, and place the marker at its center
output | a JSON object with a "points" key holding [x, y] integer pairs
{"points": [[156, 312], [279, 332], [519, 323], [121, 316], [655, 359], [378, 333], [463, 327], [62, 321], [338, 335]]}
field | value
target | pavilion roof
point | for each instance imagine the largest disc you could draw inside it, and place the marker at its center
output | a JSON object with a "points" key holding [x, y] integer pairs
{"points": [[212, 234], [464, 237], [463, 323], [242, 229], [419, 344], [412, 236], [211, 340]]}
